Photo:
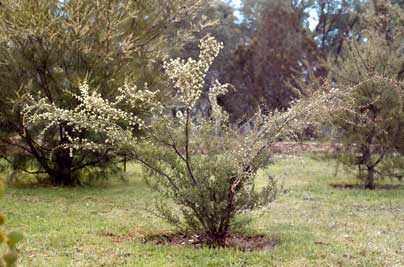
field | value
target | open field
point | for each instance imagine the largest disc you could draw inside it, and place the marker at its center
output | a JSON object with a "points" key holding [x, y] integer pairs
{"points": [[316, 225]]}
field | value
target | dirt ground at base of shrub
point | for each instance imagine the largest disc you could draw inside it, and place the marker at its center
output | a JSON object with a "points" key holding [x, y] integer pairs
{"points": [[239, 241], [243, 242], [361, 186]]}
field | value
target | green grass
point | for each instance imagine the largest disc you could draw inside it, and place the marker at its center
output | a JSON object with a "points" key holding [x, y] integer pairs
{"points": [[316, 225]]}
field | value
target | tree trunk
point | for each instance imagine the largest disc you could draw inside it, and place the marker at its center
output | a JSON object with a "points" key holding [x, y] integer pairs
{"points": [[369, 183], [124, 163], [217, 236], [217, 239], [62, 174]]}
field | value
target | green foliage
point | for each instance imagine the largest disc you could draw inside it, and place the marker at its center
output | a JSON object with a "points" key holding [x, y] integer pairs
{"points": [[8, 241], [371, 118], [211, 177], [48, 47]]}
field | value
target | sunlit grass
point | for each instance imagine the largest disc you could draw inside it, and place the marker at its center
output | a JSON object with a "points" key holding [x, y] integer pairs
{"points": [[316, 225]]}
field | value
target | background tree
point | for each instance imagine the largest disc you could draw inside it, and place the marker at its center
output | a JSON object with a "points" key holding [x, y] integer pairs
{"points": [[48, 47], [338, 21], [370, 73], [280, 51]]}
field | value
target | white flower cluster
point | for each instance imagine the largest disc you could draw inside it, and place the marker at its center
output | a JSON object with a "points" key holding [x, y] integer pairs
{"points": [[94, 114], [216, 90], [115, 120], [188, 75]]}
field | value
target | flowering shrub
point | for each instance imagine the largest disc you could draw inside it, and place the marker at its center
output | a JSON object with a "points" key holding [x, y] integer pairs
{"points": [[207, 167]]}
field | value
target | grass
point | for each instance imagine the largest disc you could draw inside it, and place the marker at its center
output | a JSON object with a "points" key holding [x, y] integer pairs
{"points": [[317, 225]]}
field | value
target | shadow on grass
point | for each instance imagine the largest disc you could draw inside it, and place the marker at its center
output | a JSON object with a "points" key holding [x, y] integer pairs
{"points": [[360, 186]]}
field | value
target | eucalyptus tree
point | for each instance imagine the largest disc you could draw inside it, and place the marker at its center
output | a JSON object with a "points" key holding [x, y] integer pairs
{"points": [[280, 51]]}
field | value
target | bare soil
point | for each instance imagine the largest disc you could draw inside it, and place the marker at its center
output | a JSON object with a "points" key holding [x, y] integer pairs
{"points": [[239, 241]]}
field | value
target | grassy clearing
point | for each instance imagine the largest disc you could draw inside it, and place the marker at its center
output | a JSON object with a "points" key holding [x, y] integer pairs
{"points": [[317, 225]]}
